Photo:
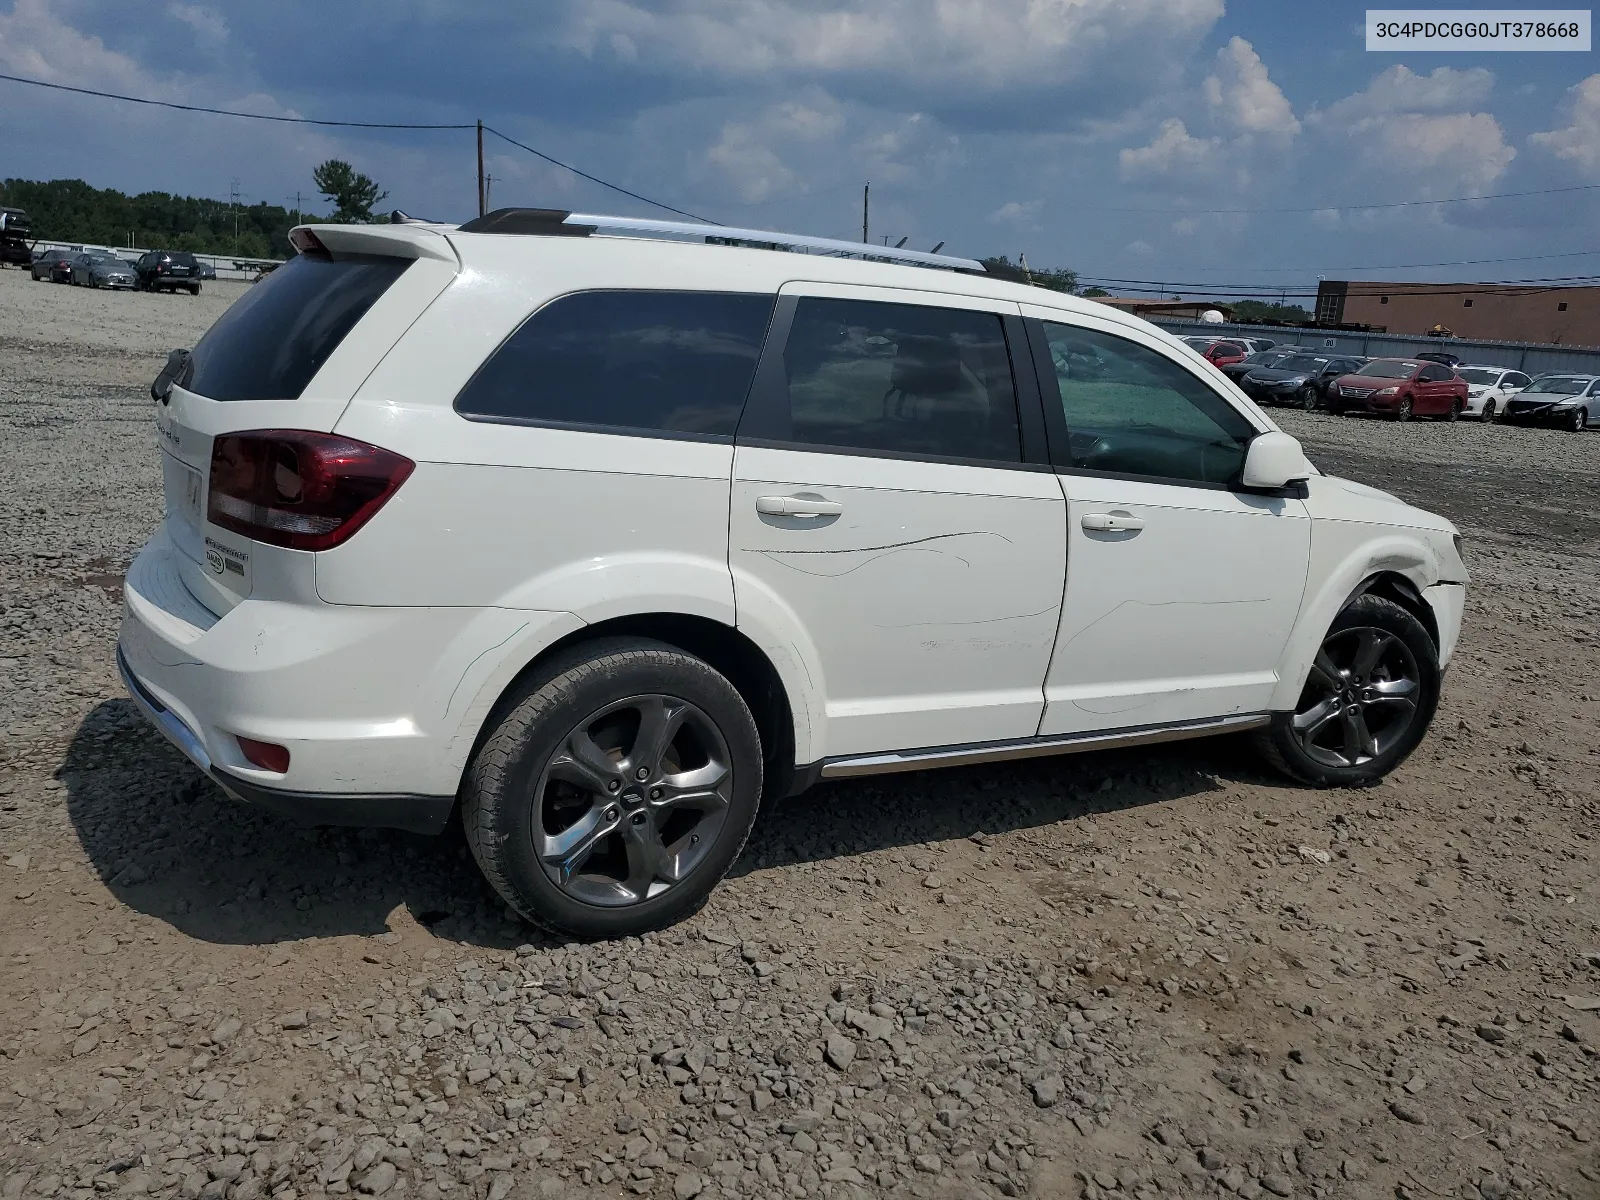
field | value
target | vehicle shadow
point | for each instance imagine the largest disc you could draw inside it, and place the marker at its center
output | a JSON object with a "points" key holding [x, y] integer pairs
{"points": [[172, 845]]}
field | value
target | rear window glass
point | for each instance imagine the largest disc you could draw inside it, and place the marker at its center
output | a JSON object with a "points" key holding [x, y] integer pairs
{"points": [[280, 332], [667, 362], [182, 259]]}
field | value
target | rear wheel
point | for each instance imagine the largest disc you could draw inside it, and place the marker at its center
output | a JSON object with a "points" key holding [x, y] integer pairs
{"points": [[1367, 702], [1403, 413], [1455, 410], [617, 789]]}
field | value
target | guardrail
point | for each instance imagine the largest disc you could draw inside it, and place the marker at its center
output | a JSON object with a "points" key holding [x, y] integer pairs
{"points": [[1531, 357], [228, 266]]}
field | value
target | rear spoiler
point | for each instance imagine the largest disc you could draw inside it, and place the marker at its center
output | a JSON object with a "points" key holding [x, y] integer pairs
{"points": [[411, 240]]}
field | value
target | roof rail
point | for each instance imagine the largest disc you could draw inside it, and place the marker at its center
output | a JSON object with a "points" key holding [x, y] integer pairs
{"points": [[559, 222]]}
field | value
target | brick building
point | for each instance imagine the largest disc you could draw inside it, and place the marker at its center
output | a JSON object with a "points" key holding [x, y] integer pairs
{"points": [[1567, 316]]}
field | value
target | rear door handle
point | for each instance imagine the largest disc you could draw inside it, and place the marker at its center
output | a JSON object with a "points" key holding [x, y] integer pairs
{"points": [[1112, 523], [797, 506]]}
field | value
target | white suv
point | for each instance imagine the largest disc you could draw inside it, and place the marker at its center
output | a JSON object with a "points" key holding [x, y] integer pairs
{"points": [[598, 534]]}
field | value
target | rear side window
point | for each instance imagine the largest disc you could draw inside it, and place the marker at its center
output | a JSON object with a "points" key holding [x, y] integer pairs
{"points": [[280, 332], [657, 362], [901, 378]]}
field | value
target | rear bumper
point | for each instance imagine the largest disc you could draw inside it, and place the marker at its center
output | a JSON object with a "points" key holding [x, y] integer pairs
{"points": [[418, 814], [378, 707]]}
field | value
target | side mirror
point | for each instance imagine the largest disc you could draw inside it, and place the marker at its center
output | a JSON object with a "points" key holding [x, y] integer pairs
{"points": [[1274, 460]]}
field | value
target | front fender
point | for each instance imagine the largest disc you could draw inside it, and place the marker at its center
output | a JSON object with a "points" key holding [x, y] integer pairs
{"points": [[1344, 555]]}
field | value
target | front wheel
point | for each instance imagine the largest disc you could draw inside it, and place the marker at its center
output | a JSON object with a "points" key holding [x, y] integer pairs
{"points": [[1579, 421], [1488, 411], [1367, 702], [1308, 398], [616, 790], [1403, 413]]}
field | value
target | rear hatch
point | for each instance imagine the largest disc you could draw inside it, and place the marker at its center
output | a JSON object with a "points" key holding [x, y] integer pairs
{"points": [[288, 355]]}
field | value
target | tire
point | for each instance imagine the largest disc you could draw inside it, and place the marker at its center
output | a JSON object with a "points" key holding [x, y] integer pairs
{"points": [[194, 289], [1308, 399], [1488, 412], [528, 787], [1579, 422], [1316, 744], [1455, 410], [1403, 413]]}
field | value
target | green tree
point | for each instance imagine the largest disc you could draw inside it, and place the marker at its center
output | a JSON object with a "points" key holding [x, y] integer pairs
{"points": [[351, 192], [1056, 279], [1258, 310], [1092, 292]]}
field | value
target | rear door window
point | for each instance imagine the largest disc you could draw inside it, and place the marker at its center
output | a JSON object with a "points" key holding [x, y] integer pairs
{"points": [[901, 379], [627, 361], [276, 337]]}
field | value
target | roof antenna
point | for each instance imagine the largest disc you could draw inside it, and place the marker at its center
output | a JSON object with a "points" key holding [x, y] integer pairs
{"points": [[902, 241], [937, 248]]}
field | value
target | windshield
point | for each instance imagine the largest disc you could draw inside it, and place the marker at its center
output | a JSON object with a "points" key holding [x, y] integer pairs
{"points": [[1389, 368], [1478, 375], [1301, 362], [1561, 386]]}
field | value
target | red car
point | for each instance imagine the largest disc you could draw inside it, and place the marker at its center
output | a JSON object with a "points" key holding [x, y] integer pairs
{"points": [[1219, 351], [1400, 388]]}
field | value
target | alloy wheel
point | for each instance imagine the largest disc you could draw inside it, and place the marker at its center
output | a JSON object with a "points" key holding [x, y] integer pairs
{"points": [[1488, 411], [1360, 698], [632, 800], [1455, 411], [1580, 421], [1308, 398], [1404, 411]]}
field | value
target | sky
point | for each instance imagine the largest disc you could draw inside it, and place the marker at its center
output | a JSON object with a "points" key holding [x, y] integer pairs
{"points": [[1098, 135]]}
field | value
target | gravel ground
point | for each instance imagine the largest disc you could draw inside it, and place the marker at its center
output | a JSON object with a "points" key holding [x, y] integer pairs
{"points": [[1153, 973]]}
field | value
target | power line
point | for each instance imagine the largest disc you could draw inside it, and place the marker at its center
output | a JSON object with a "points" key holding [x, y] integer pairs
{"points": [[596, 179], [226, 112], [1460, 262]]}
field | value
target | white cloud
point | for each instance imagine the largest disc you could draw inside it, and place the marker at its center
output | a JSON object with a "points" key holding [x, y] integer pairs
{"points": [[208, 24], [1400, 89], [750, 163], [1140, 247], [1245, 96], [36, 43], [966, 44], [1579, 141], [1401, 125], [1016, 212], [1185, 226], [1172, 149]]}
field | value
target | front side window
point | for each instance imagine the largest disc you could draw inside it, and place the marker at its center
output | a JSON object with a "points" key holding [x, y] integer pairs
{"points": [[657, 362], [900, 378], [1131, 411]]}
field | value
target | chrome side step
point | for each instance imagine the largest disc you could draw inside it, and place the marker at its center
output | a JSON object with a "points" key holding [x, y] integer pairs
{"points": [[1073, 743]]}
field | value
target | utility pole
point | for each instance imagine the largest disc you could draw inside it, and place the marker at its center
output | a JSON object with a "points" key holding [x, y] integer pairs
{"points": [[233, 199], [297, 208], [483, 198], [488, 189], [866, 199]]}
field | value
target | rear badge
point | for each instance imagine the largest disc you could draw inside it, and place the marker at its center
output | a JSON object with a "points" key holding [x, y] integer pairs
{"points": [[225, 560]]}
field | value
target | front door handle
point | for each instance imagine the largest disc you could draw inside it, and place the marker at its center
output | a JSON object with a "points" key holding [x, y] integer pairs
{"points": [[797, 506], [1112, 523]]}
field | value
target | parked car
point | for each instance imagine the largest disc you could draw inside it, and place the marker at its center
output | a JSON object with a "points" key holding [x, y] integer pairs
{"points": [[16, 232], [207, 270], [1401, 388], [168, 270], [1488, 388], [52, 266], [100, 269], [793, 514], [1261, 358], [1219, 351], [1439, 356], [1301, 379], [1568, 401]]}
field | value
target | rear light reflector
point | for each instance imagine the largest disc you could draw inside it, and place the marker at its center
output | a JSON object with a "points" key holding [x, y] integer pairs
{"points": [[295, 488], [269, 756]]}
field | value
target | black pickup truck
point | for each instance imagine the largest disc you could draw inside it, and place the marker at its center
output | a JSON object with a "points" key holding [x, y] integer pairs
{"points": [[16, 237]]}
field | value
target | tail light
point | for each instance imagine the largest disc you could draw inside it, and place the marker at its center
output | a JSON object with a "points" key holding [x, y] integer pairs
{"points": [[303, 490]]}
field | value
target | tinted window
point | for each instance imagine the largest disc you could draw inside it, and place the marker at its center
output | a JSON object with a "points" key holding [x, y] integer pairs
{"points": [[1131, 411], [1389, 368], [1515, 379], [280, 332], [1436, 374], [901, 378], [1302, 363], [676, 362], [182, 259]]}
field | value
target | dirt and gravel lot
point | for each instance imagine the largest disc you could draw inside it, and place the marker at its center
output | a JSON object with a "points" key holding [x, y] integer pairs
{"points": [[1154, 973]]}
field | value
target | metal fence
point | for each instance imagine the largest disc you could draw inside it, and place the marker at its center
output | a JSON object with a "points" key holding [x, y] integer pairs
{"points": [[228, 266], [1532, 357]]}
